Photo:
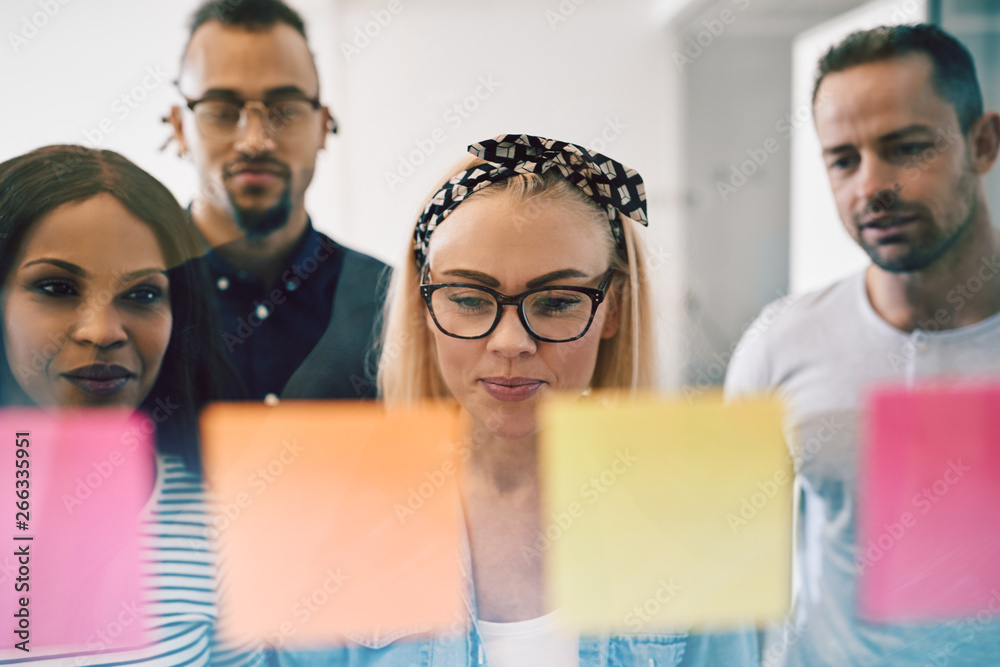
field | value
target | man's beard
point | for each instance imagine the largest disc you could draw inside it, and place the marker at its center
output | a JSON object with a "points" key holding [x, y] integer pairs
{"points": [[256, 223], [921, 254]]}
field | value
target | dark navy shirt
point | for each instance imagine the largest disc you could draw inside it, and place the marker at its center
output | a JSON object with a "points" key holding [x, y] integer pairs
{"points": [[269, 331]]}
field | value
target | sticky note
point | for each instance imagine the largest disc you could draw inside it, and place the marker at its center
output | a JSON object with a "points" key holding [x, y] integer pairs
{"points": [[335, 521], [929, 530], [74, 485], [660, 514]]}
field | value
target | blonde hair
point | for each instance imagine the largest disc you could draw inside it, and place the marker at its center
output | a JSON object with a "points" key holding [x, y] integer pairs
{"points": [[408, 370]]}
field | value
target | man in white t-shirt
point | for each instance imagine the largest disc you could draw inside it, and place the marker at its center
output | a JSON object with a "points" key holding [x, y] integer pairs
{"points": [[906, 143]]}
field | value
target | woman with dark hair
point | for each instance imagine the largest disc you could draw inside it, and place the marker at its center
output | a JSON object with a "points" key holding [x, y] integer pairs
{"points": [[105, 304], [194, 369]]}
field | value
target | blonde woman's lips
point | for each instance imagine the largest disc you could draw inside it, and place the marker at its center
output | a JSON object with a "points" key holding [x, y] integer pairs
{"points": [[505, 388]]}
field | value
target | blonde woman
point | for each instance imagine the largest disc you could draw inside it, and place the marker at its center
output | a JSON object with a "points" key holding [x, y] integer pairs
{"points": [[526, 277]]}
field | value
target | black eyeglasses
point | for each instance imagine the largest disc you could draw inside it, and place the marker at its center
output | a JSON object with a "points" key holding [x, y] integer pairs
{"points": [[553, 314], [220, 118]]}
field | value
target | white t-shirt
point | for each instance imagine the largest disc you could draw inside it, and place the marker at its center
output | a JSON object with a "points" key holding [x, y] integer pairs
{"points": [[820, 353], [537, 642]]}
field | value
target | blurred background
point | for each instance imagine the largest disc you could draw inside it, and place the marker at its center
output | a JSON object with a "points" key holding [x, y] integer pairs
{"points": [[707, 99]]}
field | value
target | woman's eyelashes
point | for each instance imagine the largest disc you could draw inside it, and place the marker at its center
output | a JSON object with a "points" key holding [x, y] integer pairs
{"points": [[145, 294], [56, 287]]}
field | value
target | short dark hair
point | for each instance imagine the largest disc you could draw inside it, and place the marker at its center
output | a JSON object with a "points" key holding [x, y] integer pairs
{"points": [[248, 14], [253, 15], [954, 73], [194, 369]]}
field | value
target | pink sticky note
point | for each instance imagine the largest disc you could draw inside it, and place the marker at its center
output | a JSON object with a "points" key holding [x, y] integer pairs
{"points": [[70, 552], [929, 529]]}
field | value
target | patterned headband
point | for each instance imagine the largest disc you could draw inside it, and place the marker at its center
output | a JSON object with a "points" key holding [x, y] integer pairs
{"points": [[613, 186]]}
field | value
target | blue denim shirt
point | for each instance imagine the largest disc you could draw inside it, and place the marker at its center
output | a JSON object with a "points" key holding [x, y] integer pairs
{"points": [[652, 650], [465, 649]]}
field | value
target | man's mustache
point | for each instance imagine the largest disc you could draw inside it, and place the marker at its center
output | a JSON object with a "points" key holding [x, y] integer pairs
{"points": [[884, 204], [267, 165]]}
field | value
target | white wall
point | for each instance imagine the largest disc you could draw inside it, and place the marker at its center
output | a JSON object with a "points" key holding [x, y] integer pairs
{"points": [[576, 70], [737, 239], [414, 98], [68, 78], [738, 78]]}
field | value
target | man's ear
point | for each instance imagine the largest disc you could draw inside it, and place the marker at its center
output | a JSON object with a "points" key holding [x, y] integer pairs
{"points": [[984, 141], [176, 123], [328, 126]]}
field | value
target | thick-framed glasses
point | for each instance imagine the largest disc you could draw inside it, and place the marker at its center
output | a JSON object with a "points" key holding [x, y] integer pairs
{"points": [[553, 314], [220, 118]]}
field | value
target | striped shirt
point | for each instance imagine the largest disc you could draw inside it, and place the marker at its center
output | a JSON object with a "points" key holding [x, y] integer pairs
{"points": [[179, 568]]}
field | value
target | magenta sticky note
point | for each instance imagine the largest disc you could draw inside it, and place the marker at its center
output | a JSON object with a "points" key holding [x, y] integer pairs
{"points": [[929, 525], [73, 487]]}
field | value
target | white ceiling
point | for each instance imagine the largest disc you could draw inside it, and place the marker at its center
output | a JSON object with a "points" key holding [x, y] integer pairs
{"points": [[758, 17]]}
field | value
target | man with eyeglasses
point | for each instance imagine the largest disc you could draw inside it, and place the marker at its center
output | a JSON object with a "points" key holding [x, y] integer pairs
{"points": [[252, 123]]}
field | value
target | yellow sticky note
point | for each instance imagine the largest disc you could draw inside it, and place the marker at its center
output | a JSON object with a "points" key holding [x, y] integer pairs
{"points": [[659, 513], [334, 521]]}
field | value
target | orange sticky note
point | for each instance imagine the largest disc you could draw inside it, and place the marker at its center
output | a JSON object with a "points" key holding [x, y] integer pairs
{"points": [[74, 486], [661, 513], [334, 520]]}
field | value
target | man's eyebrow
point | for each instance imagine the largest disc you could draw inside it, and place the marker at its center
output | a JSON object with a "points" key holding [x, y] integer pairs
{"points": [[280, 91], [285, 91], [895, 135], [842, 148], [902, 132], [69, 267], [220, 92]]}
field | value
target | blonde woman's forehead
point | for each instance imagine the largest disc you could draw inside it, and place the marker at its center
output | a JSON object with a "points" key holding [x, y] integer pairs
{"points": [[543, 234]]}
